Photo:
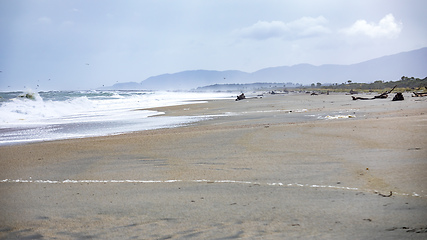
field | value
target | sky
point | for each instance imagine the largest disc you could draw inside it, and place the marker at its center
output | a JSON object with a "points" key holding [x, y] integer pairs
{"points": [[81, 44]]}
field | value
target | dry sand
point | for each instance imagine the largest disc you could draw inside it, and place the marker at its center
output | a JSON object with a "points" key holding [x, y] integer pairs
{"points": [[280, 167]]}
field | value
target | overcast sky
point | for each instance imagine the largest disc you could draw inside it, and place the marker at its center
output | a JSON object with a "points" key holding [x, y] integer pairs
{"points": [[81, 44]]}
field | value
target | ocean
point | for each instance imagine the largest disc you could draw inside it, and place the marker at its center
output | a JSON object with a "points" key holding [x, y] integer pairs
{"points": [[52, 115]]}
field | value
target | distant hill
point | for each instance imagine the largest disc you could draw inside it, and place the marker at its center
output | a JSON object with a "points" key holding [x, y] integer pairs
{"points": [[387, 68], [194, 79], [246, 86]]}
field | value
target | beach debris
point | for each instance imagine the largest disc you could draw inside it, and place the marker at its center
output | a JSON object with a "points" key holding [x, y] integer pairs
{"points": [[339, 117], [398, 97], [416, 148], [361, 98], [240, 97], [408, 229], [383, 195], [420, 94], [382, 95]]}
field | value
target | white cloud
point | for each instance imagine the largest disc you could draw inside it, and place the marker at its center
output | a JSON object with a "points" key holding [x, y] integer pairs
{"points": [[387, 27], [301, 28], [44, 20]]}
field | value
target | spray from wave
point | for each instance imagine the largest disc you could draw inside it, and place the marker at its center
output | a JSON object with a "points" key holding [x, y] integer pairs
{"points": [[39, 116]]}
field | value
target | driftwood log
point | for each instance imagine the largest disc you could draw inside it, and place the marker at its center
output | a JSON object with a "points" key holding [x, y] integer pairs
{"points": [[383, 195], [382, 95], [240, 97], [398, 97], [419, 94]]}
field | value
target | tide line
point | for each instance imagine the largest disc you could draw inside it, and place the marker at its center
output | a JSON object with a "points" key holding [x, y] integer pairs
{"points": [[71, 181]]}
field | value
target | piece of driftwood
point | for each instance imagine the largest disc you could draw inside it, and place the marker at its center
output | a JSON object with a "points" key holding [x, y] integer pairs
{"points": [[361, 98], [383, 195], [240, 97], [398, 97], [382, 95], [419, 94]]}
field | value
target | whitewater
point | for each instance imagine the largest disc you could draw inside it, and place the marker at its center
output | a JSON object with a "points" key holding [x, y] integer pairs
{"points": [[45, 116]]}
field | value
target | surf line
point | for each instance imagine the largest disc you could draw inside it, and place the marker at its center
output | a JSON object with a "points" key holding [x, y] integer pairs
{"points": [[71, 181]]}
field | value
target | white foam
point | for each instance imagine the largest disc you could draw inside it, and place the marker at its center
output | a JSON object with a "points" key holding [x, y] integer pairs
{"points": [[225, 181], [24, 111], [75, 115], [339, 117]]}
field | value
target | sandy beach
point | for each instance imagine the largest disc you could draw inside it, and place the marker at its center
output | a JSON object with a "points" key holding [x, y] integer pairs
{"points": [[291, 166]]}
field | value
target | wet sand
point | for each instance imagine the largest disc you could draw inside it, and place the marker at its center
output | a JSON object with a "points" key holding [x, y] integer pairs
{"points": [[280, 167]]}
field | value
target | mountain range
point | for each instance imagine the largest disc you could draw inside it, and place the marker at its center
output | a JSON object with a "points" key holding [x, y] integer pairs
{"points": [[387, 68]]}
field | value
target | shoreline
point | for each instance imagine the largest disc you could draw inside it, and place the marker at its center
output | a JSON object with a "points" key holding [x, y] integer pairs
{"points": [[39, 121], [271, 168]]}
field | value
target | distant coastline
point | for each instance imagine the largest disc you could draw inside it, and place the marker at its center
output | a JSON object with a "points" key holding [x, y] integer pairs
{"points": [[387, 68]]}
